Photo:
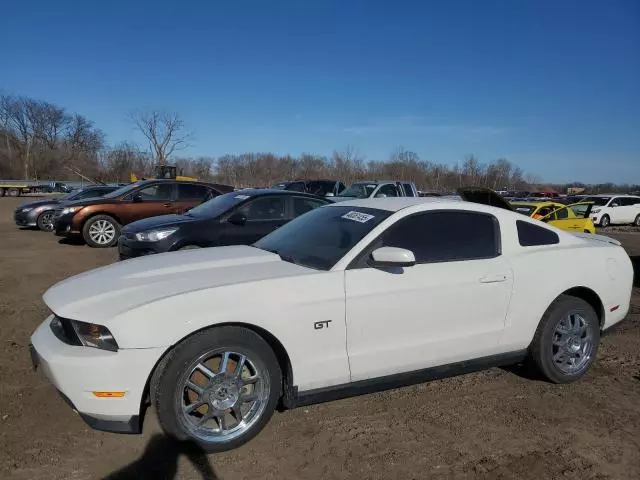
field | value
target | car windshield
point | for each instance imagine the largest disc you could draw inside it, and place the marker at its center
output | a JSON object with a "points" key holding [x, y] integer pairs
{"points": [[218, 205], [525, 209], [358, 190], [321, 237], [599, 201]]}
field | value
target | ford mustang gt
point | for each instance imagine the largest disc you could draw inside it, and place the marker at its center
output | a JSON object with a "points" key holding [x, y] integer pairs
{"points": [[349, 298]]}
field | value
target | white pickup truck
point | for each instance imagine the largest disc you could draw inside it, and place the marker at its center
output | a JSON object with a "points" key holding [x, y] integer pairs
{"points": [[377, 189]]}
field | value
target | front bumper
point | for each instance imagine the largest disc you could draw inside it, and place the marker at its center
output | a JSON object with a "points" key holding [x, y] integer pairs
{"points": [[77, 372], [128, 247], [25, 219], [63, 225]]}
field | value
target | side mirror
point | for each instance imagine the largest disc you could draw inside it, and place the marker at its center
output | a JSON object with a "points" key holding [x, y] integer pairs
{"points": [[137, 198], [613, 205], [238, 219], [380, 195], [329, 194], [392, 257]]}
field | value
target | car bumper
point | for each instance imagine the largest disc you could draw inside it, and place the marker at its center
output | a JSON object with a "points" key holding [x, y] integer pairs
{"points": [[131, 248], [25, 219], [63, 225], [77, 372]]}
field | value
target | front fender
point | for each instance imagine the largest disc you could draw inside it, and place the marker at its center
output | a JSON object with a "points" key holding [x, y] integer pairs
{"points": [[318, 356]]}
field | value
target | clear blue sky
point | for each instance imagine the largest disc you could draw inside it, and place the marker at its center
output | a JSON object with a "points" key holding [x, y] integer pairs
{"points": [[553, 85]]}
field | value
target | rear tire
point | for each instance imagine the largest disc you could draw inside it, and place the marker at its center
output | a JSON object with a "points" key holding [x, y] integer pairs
{"points": [[217, 407], [45, 221], [13, 192], [605, 221], [101, 231], [566, 341]]}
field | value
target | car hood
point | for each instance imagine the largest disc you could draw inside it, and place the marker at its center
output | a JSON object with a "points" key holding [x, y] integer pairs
{"points": [[40, 203], [100, 295], [158, 222]]}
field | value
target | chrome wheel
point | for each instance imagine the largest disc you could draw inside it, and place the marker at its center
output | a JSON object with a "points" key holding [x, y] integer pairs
{"points": [[222, 395], [46, 221], [102, 232], [573, 344], [604, 221]]}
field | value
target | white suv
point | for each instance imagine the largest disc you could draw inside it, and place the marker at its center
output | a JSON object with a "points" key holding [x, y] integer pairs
{"points": [[615, 209]]}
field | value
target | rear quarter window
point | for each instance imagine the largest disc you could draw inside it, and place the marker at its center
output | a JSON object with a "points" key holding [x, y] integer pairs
{"points": [[530, 235]]}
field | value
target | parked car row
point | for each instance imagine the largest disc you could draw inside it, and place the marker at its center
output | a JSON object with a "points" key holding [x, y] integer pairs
{"points": [[348, 298], [98, 214]]}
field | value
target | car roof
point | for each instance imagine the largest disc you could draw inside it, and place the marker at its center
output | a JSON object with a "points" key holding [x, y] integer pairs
{"points": [[257, 192], [394, 204]]}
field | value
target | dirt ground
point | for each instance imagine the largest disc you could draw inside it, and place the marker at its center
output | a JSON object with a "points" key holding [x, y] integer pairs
{"points": [[495, 424]]}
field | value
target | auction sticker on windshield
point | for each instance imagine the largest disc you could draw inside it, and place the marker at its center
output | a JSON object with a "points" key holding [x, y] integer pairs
{"points": [[357, 216]]}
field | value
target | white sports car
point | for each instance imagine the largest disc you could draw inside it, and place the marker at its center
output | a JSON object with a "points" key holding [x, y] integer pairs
{"points": [[350, 298]]}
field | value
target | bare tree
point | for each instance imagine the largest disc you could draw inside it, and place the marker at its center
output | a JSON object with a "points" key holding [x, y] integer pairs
{"points": [[165, 132]]}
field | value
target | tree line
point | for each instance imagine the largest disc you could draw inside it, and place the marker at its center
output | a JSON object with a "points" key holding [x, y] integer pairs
{"points": [[43, 141]]}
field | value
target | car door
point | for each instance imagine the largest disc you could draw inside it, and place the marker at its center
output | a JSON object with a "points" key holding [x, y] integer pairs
{"points": [[149, 201], [564, 218], [450, 306], [627, 209], [616, 210], [263, 215], [189, 195]]}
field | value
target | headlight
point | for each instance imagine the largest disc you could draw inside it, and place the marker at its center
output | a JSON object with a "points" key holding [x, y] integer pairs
{"points": [[155, 235], [26, 209], [596, 210], [70, 210], [93, 335]]}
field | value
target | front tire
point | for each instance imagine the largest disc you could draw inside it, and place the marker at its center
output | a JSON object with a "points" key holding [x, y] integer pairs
{"points": [[605, 221], [218, 388], [636, 222], [566, 341], [45, 221], [101, 231]]}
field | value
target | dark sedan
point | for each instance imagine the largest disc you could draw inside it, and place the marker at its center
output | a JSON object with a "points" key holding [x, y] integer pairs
{"points": [[236, 218], [40, 214]]}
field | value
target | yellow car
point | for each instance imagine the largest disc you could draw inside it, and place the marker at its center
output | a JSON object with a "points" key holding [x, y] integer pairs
{"points": [[574, 217]]}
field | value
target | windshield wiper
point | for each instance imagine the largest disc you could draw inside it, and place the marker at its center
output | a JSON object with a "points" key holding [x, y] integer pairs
{"points": [[283, 257]]}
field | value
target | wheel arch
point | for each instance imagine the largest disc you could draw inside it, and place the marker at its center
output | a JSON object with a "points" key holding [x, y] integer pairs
{"points": [[95, 214], [276, 345], [589, 296]]}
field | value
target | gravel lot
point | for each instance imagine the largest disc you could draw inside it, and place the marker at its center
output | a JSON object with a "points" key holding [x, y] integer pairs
{"points": [[493, 424]]}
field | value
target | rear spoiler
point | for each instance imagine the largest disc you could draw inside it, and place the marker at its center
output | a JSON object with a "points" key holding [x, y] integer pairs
{"points": [[597, 238]]}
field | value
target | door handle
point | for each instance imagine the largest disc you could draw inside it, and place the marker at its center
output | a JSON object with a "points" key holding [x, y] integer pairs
{"points": [[493, 279], [166, 205]]}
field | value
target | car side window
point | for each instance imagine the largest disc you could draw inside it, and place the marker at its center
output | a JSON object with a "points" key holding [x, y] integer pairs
{"points": [[615, 202], [161, 191], [562, 213], [297, 187], [188, 191], [446, 236], [388, 190], [264, 208], [89, 194], [627, 201], [303, 205], [408, 189], [530, 235]]}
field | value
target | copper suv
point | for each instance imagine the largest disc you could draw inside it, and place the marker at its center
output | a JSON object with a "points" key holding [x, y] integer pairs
{"points": [[99, 220]]}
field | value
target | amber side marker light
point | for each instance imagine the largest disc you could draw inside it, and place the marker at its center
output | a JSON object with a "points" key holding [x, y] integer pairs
{"points": [[109, 394]]}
